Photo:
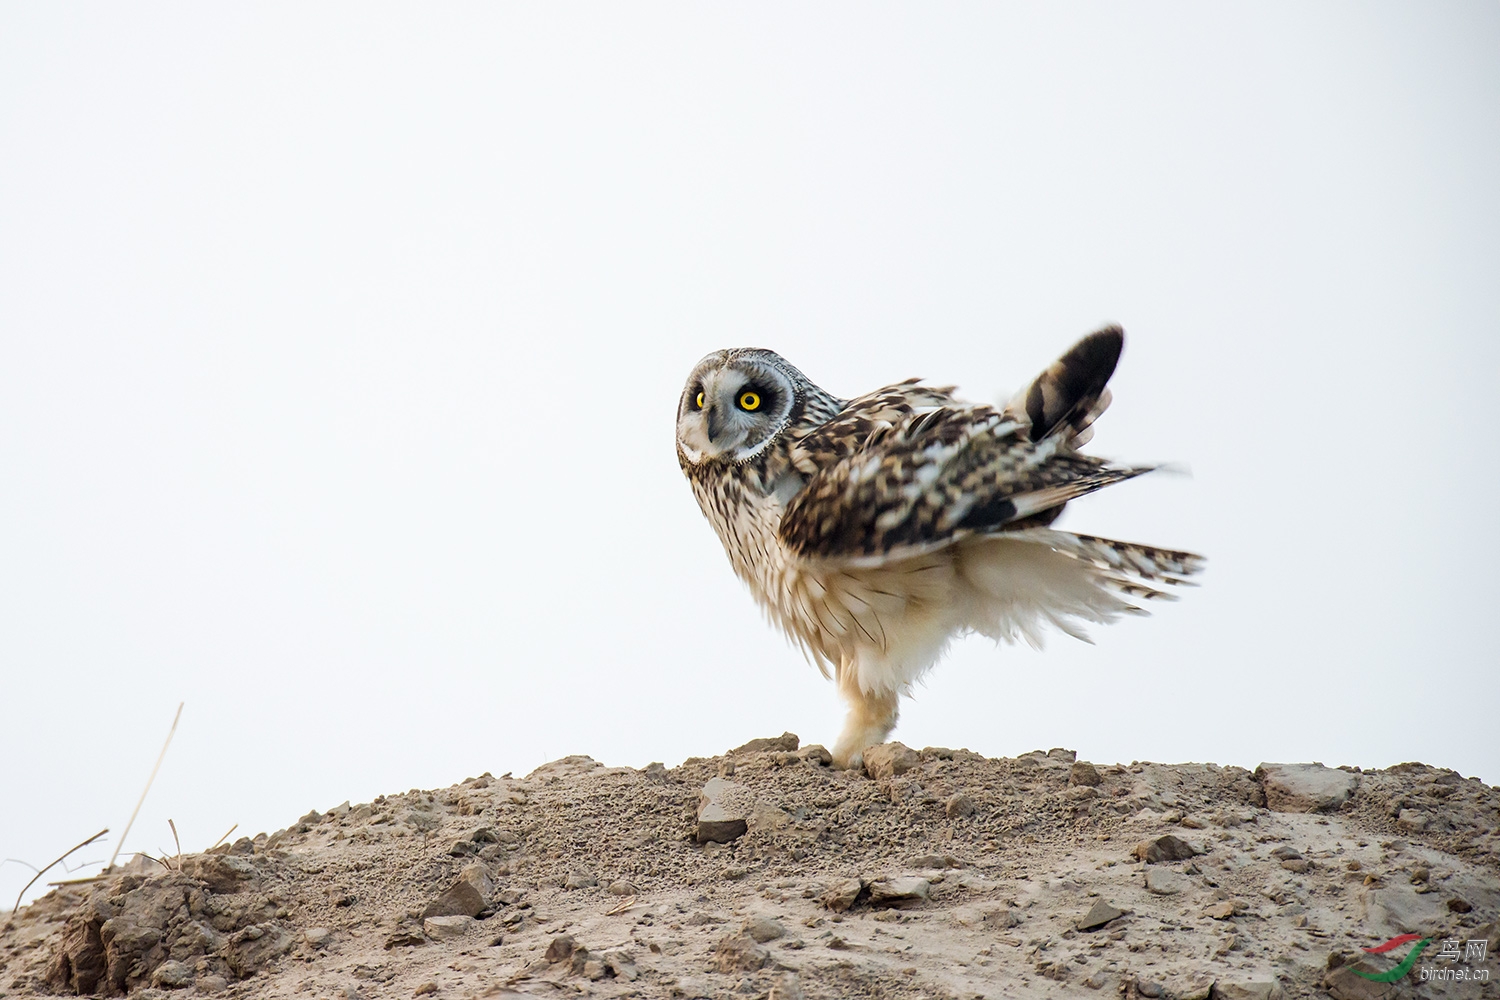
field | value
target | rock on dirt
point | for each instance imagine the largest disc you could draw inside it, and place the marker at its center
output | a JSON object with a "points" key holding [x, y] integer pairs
{"points": [[890, 759], [1305, 788], [1099, 914], [1162, 849], [724, 810]]}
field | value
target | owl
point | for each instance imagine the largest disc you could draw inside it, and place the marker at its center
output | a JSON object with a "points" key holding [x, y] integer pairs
{"points": [[874, 531]]}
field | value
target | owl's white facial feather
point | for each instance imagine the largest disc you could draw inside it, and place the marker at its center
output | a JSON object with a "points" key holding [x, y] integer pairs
{"points": [[732, 407]]}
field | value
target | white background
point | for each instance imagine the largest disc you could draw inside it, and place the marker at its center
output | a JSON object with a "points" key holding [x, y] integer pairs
{"points": [[339, 350]]}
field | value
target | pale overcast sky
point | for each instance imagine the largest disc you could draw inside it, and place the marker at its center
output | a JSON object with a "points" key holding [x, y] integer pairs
{"points": [[340, 344]]}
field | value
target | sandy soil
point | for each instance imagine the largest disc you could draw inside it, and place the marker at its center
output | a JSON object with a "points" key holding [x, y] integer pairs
{"points": [[935, 873]]}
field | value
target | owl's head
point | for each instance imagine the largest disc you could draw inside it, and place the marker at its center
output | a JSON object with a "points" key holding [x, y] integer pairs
{"points": [[737, 402]]}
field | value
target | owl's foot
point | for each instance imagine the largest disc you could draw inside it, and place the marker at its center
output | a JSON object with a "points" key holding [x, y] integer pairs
{"points": [[871, 719]]}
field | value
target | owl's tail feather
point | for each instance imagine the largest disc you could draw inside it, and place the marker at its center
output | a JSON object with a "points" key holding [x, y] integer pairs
{"points": [[1039, 577], [1070, 395]]}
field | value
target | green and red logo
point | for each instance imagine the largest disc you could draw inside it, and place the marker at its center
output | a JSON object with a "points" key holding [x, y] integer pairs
{"points": [[1404, 966]]}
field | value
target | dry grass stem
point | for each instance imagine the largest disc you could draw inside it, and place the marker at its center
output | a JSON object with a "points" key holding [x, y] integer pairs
{"points": [[142, 801], [59, 861]]}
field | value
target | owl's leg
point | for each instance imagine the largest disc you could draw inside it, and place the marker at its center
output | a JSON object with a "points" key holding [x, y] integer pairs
{"points": [[872, 716]]}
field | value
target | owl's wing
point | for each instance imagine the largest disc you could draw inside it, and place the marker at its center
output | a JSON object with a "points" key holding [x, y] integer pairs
{"points": [[897, 476]]}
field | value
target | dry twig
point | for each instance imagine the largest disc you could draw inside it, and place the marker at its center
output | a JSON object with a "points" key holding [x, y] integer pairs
{"points": [[39, 874]]}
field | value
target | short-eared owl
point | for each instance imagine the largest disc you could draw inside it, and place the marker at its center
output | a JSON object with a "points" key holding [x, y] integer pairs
{"points": [[875, 530]]}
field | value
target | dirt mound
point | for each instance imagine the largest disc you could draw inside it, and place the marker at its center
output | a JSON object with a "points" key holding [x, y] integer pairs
{"points": [[764, 872]]}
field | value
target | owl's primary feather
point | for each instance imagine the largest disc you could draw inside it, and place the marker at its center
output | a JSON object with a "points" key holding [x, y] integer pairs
{"points": [[876, 530]]}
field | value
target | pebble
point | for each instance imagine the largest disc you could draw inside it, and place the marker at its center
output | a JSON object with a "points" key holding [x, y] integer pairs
{"points": [[815, 753], [886, 760], [1253, 990], [1222, 910], [317, 937], [1166, 882], [1168, 848], [787, 742], [842, 894], [723, 811], [959, 807], [786, 988], [447, 928], [763, 929], [459, 899], [1099, 914], [1084, 773], [172, 975], [739, 953], [559, 948], [896, 891]]}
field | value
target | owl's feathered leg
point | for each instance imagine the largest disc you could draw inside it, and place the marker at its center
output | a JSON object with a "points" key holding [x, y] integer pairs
{"points": [[872, 716]]}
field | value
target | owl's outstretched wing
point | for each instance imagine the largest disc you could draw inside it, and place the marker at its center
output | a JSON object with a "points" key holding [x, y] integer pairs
{"points": [[898, 473]]}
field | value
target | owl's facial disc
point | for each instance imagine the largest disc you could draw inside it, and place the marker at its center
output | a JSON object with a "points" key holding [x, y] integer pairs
{"points": [[731, 408]]}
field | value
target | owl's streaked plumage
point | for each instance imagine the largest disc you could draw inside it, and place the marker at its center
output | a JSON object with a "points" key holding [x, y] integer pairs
{"points": [[875, 530]]}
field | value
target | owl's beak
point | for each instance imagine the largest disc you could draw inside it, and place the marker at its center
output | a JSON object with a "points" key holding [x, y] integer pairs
{"points": [[714, 426]]}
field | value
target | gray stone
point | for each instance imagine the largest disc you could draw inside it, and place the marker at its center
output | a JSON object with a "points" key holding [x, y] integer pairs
{"points": [[959, 807], [1304, 788], [764, 929], [842, 894], [172, 975], [1099, 914], [621, 887], [815, 753], [1084, 773], [447, 927], [477, 874], [1249, 990], [621, 963], [786, 742], [223, 873], [1193, 986], [766, 816], [211, 984], [899, 891], [1162, 849], [936, 861], [1412, 821], [317, 937], [886, 760], [787, 987], [723, 811], [739, 953], [580, 880], [459, 899], [1166, 882], [560, 948], [1397, 909], [1343, 983]]}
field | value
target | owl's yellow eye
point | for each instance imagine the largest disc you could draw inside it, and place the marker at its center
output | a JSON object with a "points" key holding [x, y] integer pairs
{"points": [[699, 401], [749, 401]]}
